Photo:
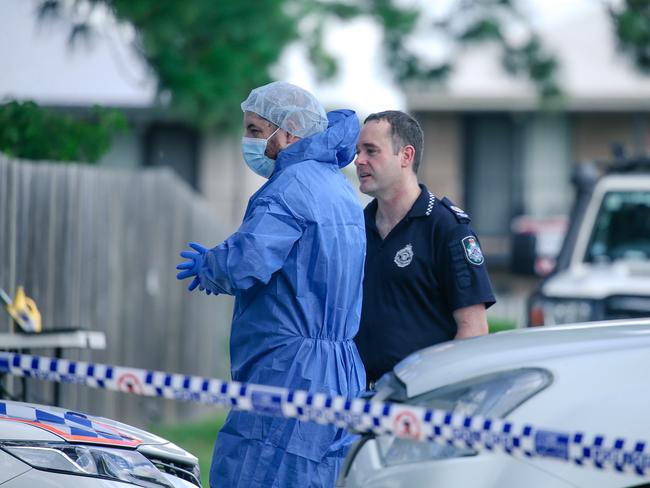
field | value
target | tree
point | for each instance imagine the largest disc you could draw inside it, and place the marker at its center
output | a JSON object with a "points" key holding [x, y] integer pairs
{"points": [[632, 25], [208, 55]]}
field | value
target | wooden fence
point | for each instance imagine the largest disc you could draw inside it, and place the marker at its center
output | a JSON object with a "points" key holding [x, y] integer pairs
{"points": [[96, 248]]}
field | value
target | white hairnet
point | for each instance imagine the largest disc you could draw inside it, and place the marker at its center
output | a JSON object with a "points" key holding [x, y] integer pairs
{"points": [[288, 106]]}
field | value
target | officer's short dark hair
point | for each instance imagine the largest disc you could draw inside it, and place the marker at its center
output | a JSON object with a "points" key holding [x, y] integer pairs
{"points": [[404, 130]]}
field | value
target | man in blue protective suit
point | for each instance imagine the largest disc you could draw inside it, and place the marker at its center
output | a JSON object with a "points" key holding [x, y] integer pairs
{"points": [[295, 267]]}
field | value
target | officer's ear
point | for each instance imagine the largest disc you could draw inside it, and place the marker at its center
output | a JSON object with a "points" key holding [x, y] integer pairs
{"points": [[407, 156]]}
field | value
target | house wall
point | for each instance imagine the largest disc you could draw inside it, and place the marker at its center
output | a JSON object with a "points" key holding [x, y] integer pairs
{"points": [[441, 169], [547, 145], [492, 162], [547, 159], [125, 152], [544, 147], [594, 134], [155, 143], [498, 165]]}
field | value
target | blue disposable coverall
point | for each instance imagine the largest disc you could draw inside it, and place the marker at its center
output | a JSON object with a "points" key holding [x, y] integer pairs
{"points": [[295, 267]]}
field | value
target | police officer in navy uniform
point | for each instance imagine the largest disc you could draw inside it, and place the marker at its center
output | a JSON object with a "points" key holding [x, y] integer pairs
{"points": [[425, 276]]}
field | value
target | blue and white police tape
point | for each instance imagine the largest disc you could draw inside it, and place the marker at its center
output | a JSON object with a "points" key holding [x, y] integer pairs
{"points": [[405, 421]]}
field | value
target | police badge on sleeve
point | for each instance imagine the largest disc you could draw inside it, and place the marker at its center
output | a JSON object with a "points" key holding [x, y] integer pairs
{"points": [[473, 251]]}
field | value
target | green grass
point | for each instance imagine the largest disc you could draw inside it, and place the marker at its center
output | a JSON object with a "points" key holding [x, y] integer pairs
{"points": [[501, 325], [196, 437]]}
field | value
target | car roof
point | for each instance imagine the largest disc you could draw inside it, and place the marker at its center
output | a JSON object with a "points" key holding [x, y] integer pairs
{"points": [[625, 181], [458, 360]]}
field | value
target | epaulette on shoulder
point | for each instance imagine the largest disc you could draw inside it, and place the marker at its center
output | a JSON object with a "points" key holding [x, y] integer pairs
{"points": [[458, 212]]}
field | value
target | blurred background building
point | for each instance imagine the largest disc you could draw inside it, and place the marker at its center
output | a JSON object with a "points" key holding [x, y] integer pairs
{"points": [[491, 148], [484, 128]]}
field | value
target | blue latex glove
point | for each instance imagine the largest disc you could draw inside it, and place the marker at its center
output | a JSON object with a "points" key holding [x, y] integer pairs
{"points": [[191, 267]]}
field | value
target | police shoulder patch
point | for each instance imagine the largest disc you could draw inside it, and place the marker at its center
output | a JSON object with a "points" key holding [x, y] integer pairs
{"points": [[458, 212], [473, 251]]}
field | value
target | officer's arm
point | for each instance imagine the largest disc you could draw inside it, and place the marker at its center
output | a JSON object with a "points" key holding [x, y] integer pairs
{"points": [[471, 321]]}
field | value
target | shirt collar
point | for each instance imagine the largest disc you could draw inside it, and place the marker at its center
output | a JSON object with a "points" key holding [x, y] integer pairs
{"points": [[369, 214], [421, 208], [423, 205]]}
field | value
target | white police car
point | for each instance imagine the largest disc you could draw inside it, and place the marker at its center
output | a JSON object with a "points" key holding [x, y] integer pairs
{"points": [[52, 447], [603, 269], [590, 378]]}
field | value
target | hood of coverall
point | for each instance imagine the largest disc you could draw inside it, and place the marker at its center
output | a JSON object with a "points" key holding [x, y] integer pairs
{"points": [[335, 145]]}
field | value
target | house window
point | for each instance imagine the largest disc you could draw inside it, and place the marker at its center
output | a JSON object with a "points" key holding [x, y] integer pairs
{"points": [[174, 146]]}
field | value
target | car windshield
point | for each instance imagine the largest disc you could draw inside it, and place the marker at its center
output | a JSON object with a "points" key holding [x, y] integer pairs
{"points": [[622, 229]]}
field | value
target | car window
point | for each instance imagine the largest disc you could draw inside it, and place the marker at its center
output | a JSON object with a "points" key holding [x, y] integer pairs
{"points": [[622, 229]]}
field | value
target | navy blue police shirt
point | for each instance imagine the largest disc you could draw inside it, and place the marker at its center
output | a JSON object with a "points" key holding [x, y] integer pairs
{"points": [[429, 265]]}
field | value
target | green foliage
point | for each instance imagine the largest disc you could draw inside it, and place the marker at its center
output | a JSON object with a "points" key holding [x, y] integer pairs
{"points": [[482, 30], [501, 325], [533, 62], [324, 64], [30, 132], [313, 16], [632, 25], [398, 24], [480, 21], [208, 55]]}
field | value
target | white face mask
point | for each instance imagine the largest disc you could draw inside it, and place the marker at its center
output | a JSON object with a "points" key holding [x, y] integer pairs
{"points": [[253, 150]]}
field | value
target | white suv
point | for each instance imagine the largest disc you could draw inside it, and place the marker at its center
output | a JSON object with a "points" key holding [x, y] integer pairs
{"points": [[603, 269], [589, 378]]}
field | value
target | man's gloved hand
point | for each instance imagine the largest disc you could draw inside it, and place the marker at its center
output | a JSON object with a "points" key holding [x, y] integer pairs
{"points": [[191, 268]]}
